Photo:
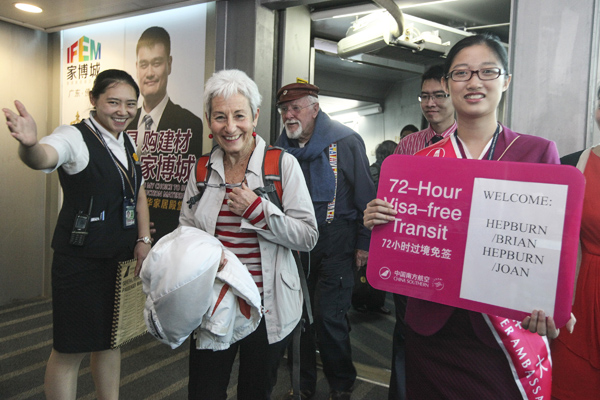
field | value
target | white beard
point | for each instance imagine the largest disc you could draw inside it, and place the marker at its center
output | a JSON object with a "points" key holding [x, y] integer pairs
{"points": [[294, 134]]}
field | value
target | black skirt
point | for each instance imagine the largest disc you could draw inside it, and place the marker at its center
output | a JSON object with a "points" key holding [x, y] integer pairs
{"points": [[83, 295]]}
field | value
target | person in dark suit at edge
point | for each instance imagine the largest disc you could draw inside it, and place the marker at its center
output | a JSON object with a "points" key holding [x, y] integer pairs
{"points": [[169, 137]]}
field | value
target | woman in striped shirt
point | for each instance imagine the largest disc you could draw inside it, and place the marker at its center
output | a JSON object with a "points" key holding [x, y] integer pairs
{"points": [[260, 234]]}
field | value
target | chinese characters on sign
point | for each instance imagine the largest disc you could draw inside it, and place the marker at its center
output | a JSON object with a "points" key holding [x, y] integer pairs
{"points": [[422, 227], [82, 71], [475, 237], [166, 166], [170, 94], [417, 248]]}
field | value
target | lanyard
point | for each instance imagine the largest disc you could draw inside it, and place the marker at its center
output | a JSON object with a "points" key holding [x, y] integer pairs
{"points": [[492, 146], [122, 173]]}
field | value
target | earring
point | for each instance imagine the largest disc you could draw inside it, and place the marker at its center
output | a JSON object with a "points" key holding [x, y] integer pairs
{"points": [[210, 136], [254, 133]]}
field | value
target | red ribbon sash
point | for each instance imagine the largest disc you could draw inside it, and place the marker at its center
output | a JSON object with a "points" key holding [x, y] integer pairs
{"points": [[528, 354]]}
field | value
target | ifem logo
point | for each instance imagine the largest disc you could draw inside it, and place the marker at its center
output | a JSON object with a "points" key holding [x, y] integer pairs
{"points": [[85, 49]]}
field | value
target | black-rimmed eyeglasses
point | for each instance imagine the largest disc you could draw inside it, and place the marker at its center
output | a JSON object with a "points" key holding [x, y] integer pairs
{"points": [[438, 96], [486, 74]]}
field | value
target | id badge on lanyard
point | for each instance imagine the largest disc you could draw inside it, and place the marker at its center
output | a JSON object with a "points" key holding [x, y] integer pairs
{"points": [[128, 202], [128, 212]]}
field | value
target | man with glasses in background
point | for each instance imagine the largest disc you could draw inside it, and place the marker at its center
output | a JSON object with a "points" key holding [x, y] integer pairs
{"points": [[437, 108], [438, 111], [334, 161]]}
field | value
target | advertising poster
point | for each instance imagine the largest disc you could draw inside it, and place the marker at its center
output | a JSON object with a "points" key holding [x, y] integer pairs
{"points": [[164, 53], [498, 238]]}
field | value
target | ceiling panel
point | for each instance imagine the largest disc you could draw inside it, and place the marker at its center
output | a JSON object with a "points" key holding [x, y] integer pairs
{"points": [[388, 65], [456, 14], [373, 78], [459, 14], [59, 14]]}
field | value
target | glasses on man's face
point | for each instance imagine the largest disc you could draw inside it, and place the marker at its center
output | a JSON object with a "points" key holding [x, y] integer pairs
{"points": [[437, 97], [294, 109], [463, 75]]}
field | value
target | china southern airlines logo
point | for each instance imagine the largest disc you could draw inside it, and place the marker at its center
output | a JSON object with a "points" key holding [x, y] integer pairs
{"points": [[385, 273], [437, 152], [85, 49]]}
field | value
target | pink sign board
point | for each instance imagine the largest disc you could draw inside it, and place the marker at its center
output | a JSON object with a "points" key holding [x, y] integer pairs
{"points": [[499, 238]]}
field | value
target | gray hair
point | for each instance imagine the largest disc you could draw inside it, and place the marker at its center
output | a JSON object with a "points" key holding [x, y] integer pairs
{"points": [[229, 82], [312, 100]]}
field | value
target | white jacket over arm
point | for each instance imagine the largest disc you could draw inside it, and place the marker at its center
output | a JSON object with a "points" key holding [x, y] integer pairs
{"points": [[185, 290], [293, 228]]}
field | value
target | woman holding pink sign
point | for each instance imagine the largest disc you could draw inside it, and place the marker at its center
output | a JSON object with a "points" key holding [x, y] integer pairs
{"points": [[577, 357], [453, 353]]}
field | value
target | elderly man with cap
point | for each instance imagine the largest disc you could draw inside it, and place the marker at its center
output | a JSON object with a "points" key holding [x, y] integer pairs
{"points": [[334, 162]]}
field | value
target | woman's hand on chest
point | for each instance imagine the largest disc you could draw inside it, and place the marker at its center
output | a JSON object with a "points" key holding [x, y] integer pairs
{"points": [[240, 198]]}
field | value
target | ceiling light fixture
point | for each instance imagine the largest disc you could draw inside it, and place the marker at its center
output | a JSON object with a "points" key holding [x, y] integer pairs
{"points": [[28, 8], [431, 3], [356, 112]]}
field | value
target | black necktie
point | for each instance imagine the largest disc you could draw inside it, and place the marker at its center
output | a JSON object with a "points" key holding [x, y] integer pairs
{"points": [[435, 139]]}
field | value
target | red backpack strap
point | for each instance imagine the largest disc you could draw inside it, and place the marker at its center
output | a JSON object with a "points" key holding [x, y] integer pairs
{"points": [[272, 177], [203, 170], [272, 170]]}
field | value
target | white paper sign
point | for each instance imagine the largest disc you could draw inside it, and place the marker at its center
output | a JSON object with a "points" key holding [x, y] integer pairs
{"points": [[513, 247]]}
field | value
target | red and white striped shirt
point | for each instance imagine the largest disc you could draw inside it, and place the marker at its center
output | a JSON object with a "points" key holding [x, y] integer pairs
{"points": [[243, 244], [419, 140]]}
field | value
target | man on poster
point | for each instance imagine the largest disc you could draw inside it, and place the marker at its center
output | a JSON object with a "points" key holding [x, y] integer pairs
{"points": [[168, 137]]}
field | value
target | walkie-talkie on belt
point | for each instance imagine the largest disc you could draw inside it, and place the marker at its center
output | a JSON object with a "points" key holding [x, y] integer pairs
{"points": [[81, 225]]}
